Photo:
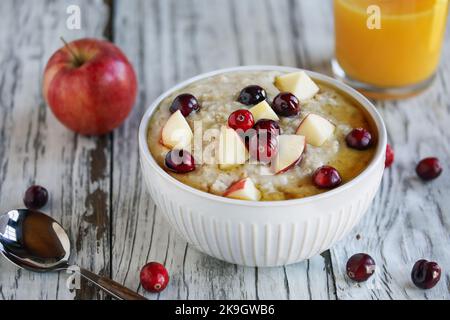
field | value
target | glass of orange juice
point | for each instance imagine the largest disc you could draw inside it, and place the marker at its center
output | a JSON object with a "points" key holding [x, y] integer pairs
{"points": [[388, 48]]}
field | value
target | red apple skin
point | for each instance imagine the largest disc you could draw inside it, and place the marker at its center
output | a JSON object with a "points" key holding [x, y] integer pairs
{"points": [[96, 97], [235, 187]]}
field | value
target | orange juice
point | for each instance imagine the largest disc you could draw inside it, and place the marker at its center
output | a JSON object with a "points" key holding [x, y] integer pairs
{"points": [[403, 49]]}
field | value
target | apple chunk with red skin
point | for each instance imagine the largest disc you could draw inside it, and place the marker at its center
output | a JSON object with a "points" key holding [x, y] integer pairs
{"points": [[316, 129], [232, 151], [290, 152], [90, 86], [244, 189], [299, 84], [263, 111], [177, 133]]}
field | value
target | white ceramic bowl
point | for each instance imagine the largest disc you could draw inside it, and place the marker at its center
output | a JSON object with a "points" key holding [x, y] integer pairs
{"points": [[271, 233]]}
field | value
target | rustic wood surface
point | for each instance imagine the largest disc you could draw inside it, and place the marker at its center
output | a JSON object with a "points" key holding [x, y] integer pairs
{"points": [[96, 186]]}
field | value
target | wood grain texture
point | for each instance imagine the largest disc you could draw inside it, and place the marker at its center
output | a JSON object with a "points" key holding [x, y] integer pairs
{"points": [[36, 148], [96, 185], [169, 41]]}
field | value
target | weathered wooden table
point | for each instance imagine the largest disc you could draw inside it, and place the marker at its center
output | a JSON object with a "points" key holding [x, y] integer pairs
{"points": [[96, 186]]}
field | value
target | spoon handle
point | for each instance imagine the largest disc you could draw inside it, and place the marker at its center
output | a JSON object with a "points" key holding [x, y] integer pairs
{"points": [[111, 287]]}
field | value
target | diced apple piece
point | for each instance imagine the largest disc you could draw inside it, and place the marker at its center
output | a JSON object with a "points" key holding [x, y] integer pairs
{"points": [[297, 83], [232, 150], [290, 151], [316, 129], [177, 133], [263, 111], [244, 189]]}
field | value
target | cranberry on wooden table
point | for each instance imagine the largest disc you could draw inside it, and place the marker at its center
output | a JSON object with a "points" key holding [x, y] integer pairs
{"points": [[326, 177], [154, 277], [252, 95], [429, 168], [425, 274], [389, 156], [35, 197], [180, 161], [186, 103], [241, 120], [360, 267], [359, 139], [286, 104]]}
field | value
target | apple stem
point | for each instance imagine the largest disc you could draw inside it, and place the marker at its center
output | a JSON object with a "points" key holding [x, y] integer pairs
{"points": [[76, 57]]}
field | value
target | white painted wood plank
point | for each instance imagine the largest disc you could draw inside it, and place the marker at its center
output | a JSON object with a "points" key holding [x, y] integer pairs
{"points": [[35, 148], [169, 41]]}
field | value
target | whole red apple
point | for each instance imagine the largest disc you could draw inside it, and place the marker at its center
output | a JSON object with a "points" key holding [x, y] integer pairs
{"points": [[90, 86]]}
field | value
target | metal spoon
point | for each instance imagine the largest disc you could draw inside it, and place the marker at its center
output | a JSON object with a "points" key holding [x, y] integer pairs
{"points": [[34, 241]]}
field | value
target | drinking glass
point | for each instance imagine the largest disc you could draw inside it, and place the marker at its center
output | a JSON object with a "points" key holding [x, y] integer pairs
{"points": [[388, 48]]}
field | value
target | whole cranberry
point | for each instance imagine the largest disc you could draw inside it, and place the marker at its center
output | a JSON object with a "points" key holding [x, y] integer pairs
{"points": [[425, 274], [35, 197], [359, 139], [360, 267], [241, 119], [154, 277], [286, 104], [186, 103], [429, 168], [263, 147], [268, 126], [252, 95], [326, 177], [180, 161], [389, 156]]}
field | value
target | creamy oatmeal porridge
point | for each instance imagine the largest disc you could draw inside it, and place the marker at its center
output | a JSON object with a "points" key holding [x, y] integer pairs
{"points": [[339, 139]]}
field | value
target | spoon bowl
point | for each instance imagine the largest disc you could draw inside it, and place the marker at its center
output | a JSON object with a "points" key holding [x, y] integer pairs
{"points": [[34, 241]]}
